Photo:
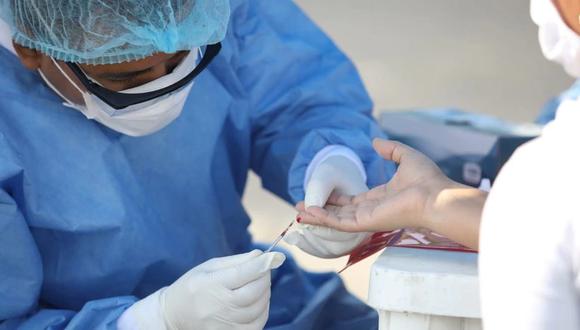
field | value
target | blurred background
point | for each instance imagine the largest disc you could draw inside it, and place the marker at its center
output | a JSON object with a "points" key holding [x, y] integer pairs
{"points": [[480, 56]]}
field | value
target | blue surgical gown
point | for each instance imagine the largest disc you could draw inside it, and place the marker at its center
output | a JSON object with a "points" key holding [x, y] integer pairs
{"points": [[92, 220]]}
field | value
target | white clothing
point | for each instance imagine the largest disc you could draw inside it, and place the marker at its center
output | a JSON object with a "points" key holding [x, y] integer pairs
{"points": [[6, 37], [530, 233]]}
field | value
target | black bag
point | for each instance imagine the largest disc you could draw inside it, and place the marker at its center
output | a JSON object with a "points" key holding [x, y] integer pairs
{"points": [[467, 147]]}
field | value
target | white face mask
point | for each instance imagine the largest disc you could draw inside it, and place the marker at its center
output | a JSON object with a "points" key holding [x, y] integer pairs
{"points": [[559, 43], [143, 118]]}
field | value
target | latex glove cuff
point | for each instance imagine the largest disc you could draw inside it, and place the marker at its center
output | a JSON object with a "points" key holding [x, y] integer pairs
{"points": [[322, 157], [144, 314]]}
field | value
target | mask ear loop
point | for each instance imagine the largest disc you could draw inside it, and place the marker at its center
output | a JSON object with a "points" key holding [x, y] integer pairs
{"points": [[54, 89], [67, 78], [67, 102]]}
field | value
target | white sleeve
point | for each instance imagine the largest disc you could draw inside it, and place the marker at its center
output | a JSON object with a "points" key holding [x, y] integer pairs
{"points": [[6, 37], [332, 151], [528, 245]]}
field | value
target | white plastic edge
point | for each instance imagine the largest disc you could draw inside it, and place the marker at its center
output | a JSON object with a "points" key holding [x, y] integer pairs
{"points": [[430, 282], [6, 37]]}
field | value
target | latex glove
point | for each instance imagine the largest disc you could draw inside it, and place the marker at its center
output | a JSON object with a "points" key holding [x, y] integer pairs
{"points": [[336, 173], [223, 293]]}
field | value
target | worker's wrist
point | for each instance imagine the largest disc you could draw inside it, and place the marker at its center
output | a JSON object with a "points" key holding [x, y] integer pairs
{"points": [[144, 314], [332, 151]]}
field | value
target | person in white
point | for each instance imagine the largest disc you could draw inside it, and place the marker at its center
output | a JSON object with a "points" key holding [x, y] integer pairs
{"points": [[529, 239], [530, 233]]}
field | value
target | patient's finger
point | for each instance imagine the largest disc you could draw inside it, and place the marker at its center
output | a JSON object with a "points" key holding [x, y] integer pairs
{"points": [[375, 193], [340, 218], [300, 207], [393, 150], [339, 199]]}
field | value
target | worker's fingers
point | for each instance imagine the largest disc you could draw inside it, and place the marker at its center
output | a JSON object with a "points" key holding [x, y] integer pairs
{"points": [[297, 239], [323, 242], [251, 292], [339, 199], [339, 218], [248, 314], [216, 264], [335, 198], [319, 217], [325, 234], [242, 274], [317, 192], [258, 323]]}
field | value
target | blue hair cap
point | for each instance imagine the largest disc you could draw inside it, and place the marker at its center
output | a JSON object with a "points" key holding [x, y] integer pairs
{"points": [[114, 31]]}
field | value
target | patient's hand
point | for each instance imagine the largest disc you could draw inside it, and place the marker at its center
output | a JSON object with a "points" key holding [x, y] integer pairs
{"points": [[406, 201]]}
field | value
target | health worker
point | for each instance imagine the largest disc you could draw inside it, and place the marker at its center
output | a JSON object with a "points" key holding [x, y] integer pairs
{"points": [[127, 131]]}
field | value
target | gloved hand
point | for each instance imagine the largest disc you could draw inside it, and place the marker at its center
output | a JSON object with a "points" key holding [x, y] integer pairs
{"points": [[223, 293], [336, 173]]}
